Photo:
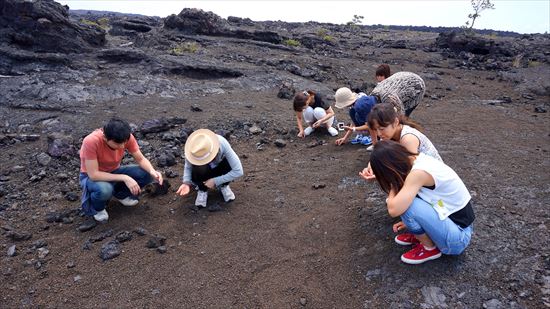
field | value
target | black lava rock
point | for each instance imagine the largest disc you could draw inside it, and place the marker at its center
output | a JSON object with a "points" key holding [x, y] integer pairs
{"points": [[155, 126], [162, 249], [110, 250], [166, 159], [87, 225], [72, 196], [156, 241], [280, 143], [124, 236], [140, 231], [18, 236]]}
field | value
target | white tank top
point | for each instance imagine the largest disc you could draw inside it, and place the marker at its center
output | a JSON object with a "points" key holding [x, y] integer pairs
{"points": [[450, 194], [425, 146]]}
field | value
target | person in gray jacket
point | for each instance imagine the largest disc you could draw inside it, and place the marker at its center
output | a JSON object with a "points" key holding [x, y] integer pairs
{"points": [[210, 163]]}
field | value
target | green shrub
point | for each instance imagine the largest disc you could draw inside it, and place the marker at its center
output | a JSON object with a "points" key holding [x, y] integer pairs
{"points": [[533, 63], [322, 32], [182, 48], [328, 38], [102, 23], [89, 22], [291, 42]]}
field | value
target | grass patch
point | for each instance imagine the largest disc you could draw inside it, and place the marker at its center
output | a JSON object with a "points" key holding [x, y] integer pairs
{"points": [[102, 23], [291, 42], [183, 48]]}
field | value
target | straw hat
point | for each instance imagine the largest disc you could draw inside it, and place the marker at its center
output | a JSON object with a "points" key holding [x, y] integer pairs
{"points": [[344, 97], [201, 147]]}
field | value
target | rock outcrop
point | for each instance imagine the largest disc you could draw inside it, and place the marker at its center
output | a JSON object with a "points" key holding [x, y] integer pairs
{"points": [[44, 26]]}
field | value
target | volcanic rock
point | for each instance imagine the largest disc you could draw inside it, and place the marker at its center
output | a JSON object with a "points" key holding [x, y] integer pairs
{"points": [[12, 251], [87, 225], [154, 126], [156, 241], [61, 145], [44, 26], [43, 159], [110, 250], [124, 236], [18, 236]]}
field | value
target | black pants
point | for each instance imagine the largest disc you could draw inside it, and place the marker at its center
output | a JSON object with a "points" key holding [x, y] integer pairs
{"points": [[200, 174]]}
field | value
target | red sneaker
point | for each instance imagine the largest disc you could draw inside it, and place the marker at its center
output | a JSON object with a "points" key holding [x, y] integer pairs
{"points": [[406, 239], [419, 255]]}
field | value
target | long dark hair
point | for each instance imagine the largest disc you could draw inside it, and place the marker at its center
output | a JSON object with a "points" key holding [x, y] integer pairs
{"points": [[390, 163], [301, 98], [383, 114]]}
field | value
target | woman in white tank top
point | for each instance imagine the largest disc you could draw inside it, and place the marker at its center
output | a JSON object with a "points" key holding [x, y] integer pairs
{"points": [[431, 199], [390, 125]]}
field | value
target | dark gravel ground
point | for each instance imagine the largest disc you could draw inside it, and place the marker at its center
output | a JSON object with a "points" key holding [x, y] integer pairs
{"points": [[305, 230]]}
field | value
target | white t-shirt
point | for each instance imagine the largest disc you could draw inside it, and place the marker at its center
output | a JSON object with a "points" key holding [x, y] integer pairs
{"points": [[450, 194]]}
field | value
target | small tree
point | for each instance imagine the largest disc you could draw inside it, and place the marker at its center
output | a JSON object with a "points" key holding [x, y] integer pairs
{"points": [[478, 6], [355, 22]]}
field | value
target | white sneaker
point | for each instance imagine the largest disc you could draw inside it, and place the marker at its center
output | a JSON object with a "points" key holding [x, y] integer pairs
{"points": [[202, 197], [101, 216], [128, 201], [227, 194], [332, 131], [370, 148], [308, 130]]}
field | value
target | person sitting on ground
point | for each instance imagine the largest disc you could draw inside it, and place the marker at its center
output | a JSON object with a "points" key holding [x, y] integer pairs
{"points": [[102, 176], [359, 105], [403, 89], [431, 199], [389, 125], [210, 163], [382, 72], [316, 113]]}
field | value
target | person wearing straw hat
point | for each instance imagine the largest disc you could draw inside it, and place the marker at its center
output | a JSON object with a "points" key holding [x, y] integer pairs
{"points": [[210, 163], [403, 90], [359, 108]]}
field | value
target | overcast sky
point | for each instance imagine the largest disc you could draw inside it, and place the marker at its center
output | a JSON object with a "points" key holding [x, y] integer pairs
{"points": [[524, 16]]}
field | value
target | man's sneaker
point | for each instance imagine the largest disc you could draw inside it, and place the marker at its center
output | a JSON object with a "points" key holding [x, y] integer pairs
{"points": [[308, 131], [228, 195], [366, 140], [128, 201], [419, 255], [101, 216], [406, 239], [202, 197], [332, 131], [357, 139]]}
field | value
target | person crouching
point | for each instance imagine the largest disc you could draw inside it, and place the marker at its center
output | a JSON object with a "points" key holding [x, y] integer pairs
{"points": [[210, 163]]}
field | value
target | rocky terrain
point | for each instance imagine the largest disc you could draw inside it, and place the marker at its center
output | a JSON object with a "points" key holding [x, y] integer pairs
{"points": [[305, 231]]}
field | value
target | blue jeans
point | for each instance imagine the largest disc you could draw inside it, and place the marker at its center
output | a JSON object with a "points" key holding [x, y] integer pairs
{"points": [[449, 238], [96, 194]]}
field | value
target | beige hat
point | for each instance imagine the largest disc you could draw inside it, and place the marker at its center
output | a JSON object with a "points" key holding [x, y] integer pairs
{"points": [[201, 147], [344, 97]]}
